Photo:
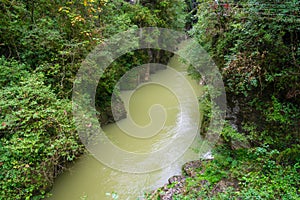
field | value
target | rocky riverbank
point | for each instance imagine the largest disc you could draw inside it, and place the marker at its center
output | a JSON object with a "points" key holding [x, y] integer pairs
{"points": [[182, 185]]}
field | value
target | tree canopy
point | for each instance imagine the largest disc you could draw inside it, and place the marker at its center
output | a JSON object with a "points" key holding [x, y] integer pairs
{"points": [[254, 43]]}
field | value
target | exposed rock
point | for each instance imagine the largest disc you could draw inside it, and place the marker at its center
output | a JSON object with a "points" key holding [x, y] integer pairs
{"points": [[144, 74], [235, 144], [118, 109], [235, 116], [208, 156], [178, 185], [114, 113], [202, 81], [176, 179], [232, 114], [190, 168], [222, 185]]}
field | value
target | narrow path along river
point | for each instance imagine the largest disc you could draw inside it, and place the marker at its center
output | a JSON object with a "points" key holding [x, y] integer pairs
{"points": [[90, 179]]}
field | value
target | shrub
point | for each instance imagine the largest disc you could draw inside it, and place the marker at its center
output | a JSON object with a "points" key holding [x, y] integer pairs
{"points": [[37, 135]]}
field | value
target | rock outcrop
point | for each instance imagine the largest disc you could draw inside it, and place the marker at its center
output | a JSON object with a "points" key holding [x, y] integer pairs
{"points": [[114, 113], [178, 184]]}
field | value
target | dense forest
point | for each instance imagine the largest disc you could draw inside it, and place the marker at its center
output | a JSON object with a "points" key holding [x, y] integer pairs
{"points": [[254, 43]]}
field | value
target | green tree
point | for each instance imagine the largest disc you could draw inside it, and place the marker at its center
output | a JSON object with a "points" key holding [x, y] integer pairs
{"points": [[255, 44]]}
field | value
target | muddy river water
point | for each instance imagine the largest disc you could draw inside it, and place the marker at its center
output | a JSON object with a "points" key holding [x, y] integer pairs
{"points": [[88, 178]]}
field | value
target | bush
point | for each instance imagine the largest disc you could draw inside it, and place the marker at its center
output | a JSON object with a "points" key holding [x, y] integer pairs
{"points": [[256, 172], [37, 135]]}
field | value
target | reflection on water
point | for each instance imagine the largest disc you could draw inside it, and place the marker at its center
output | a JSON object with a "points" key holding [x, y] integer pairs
{"points": [[90, 179]]}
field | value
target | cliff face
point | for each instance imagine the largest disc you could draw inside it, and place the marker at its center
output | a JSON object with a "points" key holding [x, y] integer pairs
{"points": [[113, 114]]}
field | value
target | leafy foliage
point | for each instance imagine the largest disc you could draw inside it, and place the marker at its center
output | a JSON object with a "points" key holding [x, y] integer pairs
{"points": [[43, 44], [256, 47], [254, 43], [37, 134], [256, 172]]}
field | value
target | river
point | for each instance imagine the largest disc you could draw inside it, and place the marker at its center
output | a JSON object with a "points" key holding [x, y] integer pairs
{"points": [[88, 178]]}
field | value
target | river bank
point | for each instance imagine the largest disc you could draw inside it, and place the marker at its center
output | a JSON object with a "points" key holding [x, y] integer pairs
{"points": [[233, 174], [180, 185]]}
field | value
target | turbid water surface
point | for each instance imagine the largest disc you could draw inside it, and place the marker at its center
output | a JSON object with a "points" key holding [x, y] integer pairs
{"points": [[88, 178]]}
